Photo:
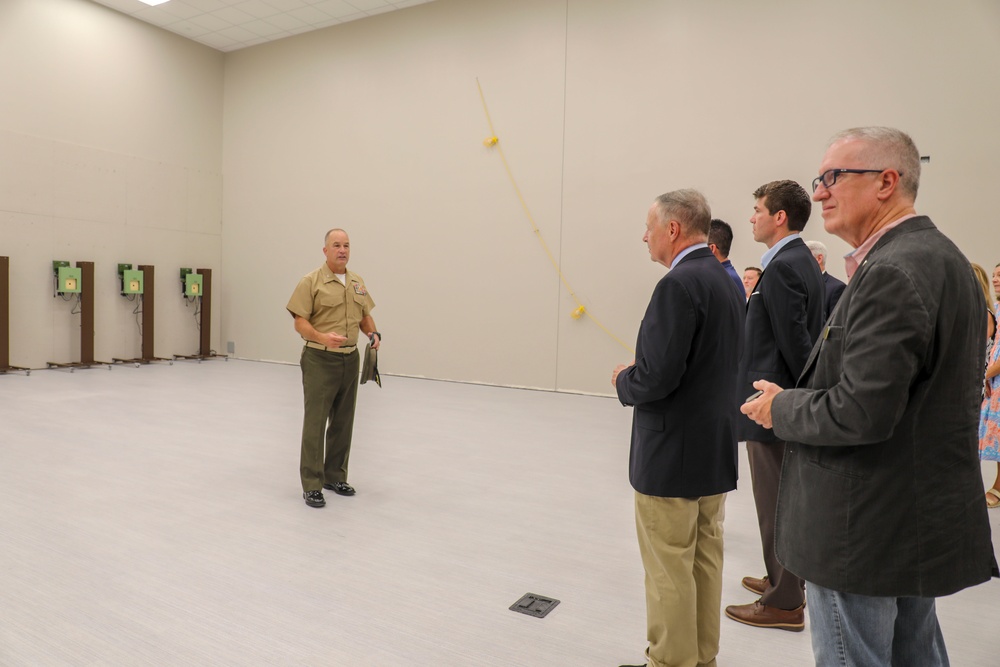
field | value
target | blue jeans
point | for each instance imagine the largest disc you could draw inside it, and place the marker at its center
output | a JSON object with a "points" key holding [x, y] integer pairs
{"points": [[851, 630]]}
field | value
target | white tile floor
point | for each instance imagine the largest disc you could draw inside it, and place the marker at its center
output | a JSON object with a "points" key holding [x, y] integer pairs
{"points": [[153, 516]]}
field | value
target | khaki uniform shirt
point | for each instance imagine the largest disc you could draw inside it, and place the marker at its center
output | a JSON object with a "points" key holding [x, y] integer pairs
{"points": [[329, 306]]}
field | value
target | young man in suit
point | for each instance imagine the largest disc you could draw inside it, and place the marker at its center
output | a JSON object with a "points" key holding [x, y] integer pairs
{"points": [[880, 506], [784, 317], [834, 286], [683, 456]]}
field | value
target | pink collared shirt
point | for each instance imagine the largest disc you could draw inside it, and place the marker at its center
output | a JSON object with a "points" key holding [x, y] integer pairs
{"points": [[855, 259]]}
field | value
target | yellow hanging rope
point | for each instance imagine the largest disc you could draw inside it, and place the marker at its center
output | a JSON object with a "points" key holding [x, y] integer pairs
{"points": [[494, 142]]}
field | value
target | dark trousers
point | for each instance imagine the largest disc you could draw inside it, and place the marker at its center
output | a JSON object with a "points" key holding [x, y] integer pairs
{"points": [[330, 390], [785, 590]]}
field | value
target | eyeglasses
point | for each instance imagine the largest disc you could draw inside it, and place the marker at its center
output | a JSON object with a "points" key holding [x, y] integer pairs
{"points": [[829, 177]]}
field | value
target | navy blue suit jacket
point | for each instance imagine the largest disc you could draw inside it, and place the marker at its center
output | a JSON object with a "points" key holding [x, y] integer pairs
{"points": [[683, 383], [737, 280], [834, 289]]}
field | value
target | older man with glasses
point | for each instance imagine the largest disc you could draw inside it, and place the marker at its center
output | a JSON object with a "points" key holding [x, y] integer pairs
{"points": [[879, 505]]}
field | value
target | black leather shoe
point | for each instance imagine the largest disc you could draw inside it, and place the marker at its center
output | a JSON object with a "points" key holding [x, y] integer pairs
{"points": [[314, 498], [340, 488]]}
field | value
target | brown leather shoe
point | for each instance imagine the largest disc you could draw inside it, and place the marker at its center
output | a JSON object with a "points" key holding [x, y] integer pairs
{"points": [[755, 585], [761, 616]]}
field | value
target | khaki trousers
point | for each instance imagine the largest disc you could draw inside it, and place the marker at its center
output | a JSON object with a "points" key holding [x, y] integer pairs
{"points": [[330, 390], [680, 541]]}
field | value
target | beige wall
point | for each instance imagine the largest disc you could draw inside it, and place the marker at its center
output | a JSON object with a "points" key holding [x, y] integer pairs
{"points": [[114, 135], [110, 151], [377, 126]]}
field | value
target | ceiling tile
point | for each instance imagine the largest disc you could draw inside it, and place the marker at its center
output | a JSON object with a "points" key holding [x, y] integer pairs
{"points": [[209, 5], [353, 17], [238, 34], [327, 24], [212, 22], [227, 25], [287, 5], [217, 40], [127, 6], [264, 29], [156, 16], [257, 8], [259, 40], [188, 29], [309, 15], [336, 8], [180, 9], [233, 15], [286, 21], [367, 5]]}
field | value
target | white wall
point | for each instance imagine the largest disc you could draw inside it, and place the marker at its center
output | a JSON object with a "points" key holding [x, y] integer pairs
{"points": [[376, 126], [110, 151], [113, 136]]}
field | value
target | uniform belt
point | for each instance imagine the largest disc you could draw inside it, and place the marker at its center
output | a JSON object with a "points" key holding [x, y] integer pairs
{"points": [[338, 350]]}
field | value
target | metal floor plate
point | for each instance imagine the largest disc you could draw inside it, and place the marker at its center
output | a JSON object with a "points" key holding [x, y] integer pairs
{"points": [[534, 605]]}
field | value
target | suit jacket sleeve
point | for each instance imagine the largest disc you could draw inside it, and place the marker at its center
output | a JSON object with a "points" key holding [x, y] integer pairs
{"points": [[665, 337], [866, 363], [787, 301]]}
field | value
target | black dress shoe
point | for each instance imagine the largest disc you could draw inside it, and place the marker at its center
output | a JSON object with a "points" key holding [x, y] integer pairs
{"points": [[314, 498], [340, 488]]}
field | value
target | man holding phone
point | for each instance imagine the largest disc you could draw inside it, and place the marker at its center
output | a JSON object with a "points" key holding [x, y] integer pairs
{"points": [[881, 506], [783, 319]]}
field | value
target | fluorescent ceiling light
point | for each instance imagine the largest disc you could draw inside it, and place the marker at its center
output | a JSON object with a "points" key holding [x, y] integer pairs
{"points": [[153, 3]]}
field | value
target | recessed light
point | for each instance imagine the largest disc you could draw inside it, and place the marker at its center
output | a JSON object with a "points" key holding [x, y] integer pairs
{"points": [[153, 3]]}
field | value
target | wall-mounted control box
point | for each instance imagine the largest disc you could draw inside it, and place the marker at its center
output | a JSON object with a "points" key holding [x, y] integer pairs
{"points": [[68, 278], [192, 282], [131, 281]]}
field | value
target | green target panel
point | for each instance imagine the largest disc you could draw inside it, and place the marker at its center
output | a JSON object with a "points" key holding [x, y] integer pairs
{"points": [[69, 279]]}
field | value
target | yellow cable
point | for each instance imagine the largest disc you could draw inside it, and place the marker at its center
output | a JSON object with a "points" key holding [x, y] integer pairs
{"points": [[494, 142]]}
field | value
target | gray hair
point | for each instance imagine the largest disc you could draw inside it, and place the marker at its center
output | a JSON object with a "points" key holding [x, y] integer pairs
{"points": [[888, 148], [689, 208], [326, 237], [818, 248]]}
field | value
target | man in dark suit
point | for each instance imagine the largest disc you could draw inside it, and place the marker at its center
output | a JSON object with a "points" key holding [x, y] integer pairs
{"points": [[683, 456], [784, 317], [834, 286], [880, 506]]}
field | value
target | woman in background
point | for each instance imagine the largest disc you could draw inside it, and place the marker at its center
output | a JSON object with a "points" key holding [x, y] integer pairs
{"points": [[989, 417]]}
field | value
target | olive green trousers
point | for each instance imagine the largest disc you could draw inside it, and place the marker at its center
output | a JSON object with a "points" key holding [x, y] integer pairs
{"points": [[330, 392]]}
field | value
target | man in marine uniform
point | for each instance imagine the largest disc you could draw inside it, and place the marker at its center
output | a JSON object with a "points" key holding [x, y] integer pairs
{"points": [[329, 307]]}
